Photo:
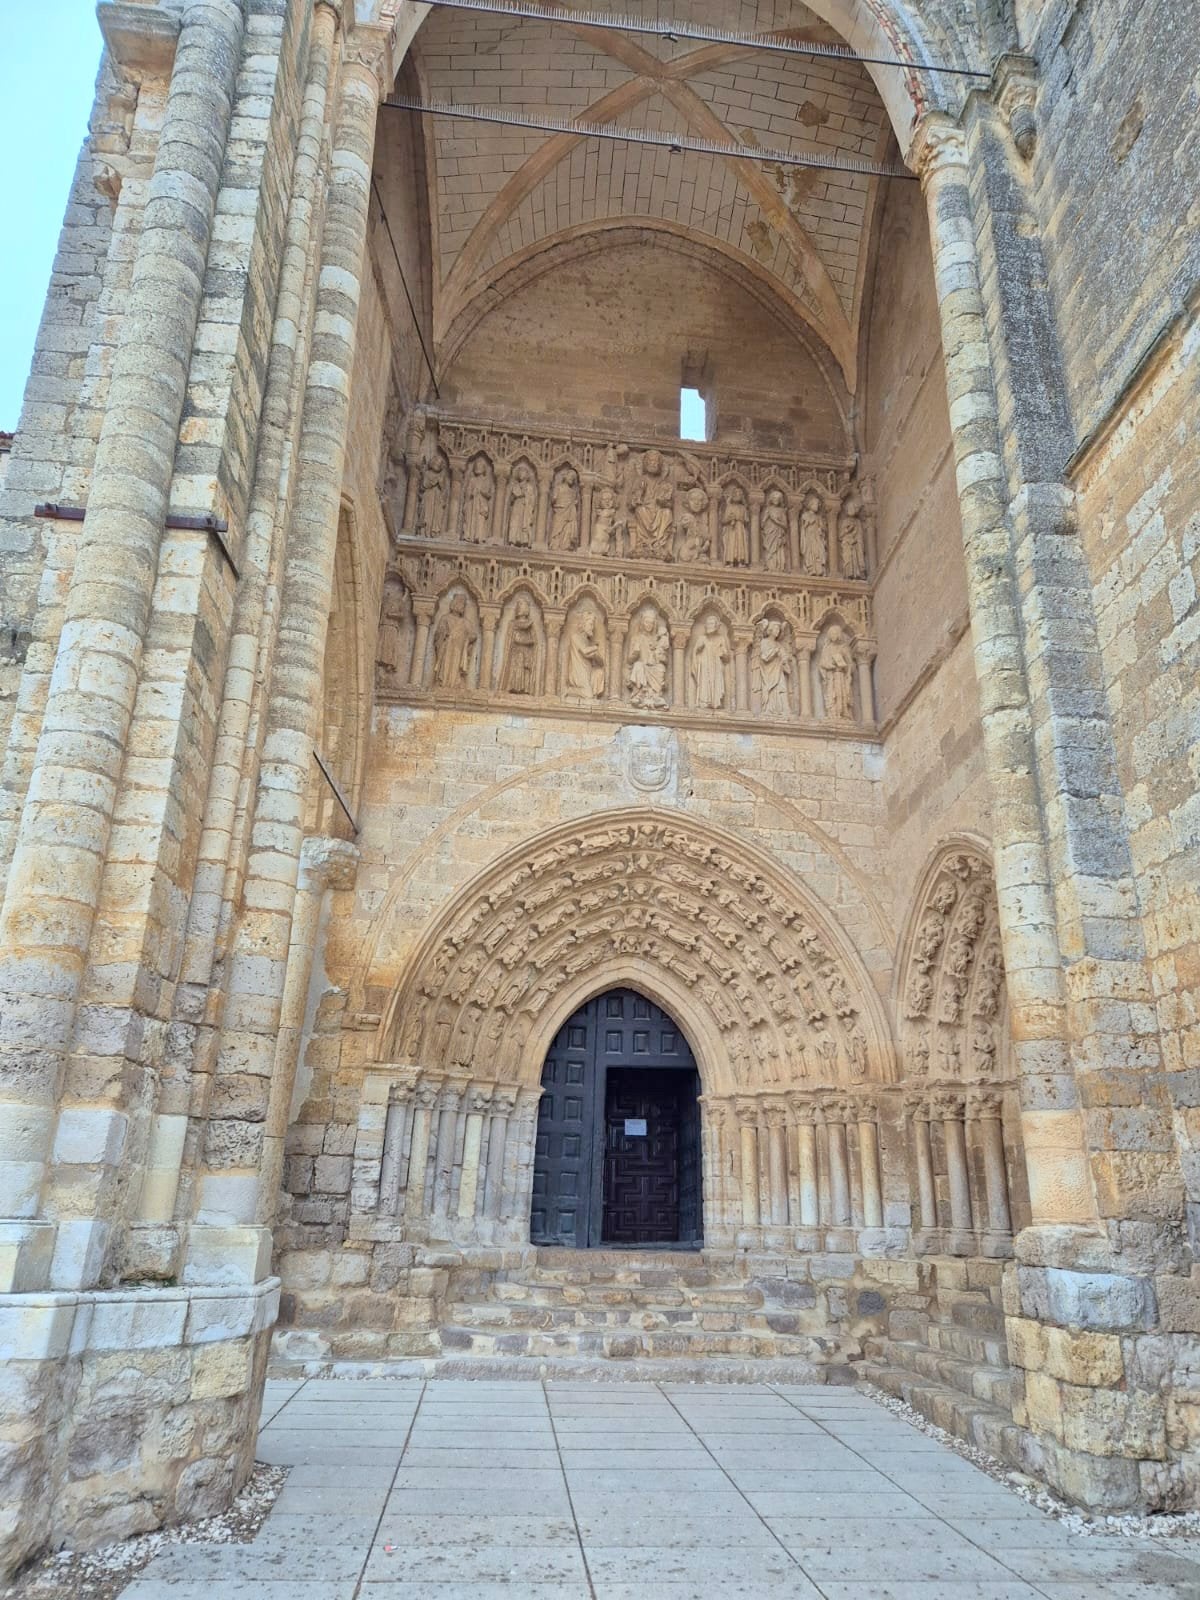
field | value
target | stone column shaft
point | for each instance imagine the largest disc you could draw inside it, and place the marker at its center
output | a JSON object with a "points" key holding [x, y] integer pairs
{"points": [[868, 1154], [418, 1154], [55, 875], [392, 1168], [234, 765], [957, 1170], [1060, 1182], [232, 1194], [839, 1176], [748, 1142], [810, 1208], [927, 1193], [497, 1140]]}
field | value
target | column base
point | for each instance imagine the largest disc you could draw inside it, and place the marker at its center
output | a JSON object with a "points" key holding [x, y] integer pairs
{"points": [[123, 1410]]}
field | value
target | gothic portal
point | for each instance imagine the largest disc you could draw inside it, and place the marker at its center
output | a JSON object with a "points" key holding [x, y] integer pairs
{"points": [[617, 1150], [425, 766]]}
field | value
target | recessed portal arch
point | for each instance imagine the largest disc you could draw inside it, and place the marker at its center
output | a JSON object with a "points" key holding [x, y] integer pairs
{"points": [[617, 1153]]}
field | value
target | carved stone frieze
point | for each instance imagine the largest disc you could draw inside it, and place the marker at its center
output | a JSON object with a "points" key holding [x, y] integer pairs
{"points": [[467, 627], [585, 494]]}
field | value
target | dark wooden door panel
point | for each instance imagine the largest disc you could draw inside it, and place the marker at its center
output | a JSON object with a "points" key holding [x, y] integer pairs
{"points": [[586, 1189], [641, 1171]]}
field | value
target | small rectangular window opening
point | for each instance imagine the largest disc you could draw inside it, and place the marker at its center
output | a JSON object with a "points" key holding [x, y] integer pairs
{"points": [[693, 421]]}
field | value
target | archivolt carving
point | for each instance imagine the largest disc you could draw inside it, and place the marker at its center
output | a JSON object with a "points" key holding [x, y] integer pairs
{"points": [[953, 1001], [775, 995]]}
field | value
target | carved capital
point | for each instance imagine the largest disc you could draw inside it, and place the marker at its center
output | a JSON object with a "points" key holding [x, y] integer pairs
{"points": [[328, 863], [865, 650], [985, 1105], [948, 1105], [504, 1100], [427, 1093], [938, 146], [1015, 86], [368, 50], [916, 1108], [424, 610]]}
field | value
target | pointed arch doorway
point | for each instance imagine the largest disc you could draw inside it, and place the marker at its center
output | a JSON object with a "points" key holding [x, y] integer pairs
{"points": [[617, 1159]]}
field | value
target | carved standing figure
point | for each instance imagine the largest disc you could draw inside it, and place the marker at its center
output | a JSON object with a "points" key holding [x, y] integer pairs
{"points": [[814, 538], [709, 659], [583, 673], [691, 531], [522, 505], [774, 532], [454, 641], [477, 518], [735, 528], [603, 540], [519, 675], [564, 511], [392, 616], [431, 508], [836, 667], [646, 665], [850, 539], [650, 510], [772, 669]]}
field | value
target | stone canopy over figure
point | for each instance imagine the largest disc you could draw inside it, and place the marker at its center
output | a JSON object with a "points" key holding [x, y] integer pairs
{"points": [[584, 670], [646, 663], [520, 654], [522, 505], [772, 670], [835, 665], [651, 513], [454, 642]]}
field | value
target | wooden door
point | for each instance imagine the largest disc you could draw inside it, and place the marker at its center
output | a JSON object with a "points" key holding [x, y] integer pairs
{"points": [[643, 1118], [611, 1035]]}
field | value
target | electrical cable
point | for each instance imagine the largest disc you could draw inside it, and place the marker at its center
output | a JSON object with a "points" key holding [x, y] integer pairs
{"points": [[647, 136], [404, 285]]}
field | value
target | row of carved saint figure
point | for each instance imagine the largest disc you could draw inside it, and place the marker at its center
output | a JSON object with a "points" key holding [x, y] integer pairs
{"points": [[767, 671], [649, 514]]}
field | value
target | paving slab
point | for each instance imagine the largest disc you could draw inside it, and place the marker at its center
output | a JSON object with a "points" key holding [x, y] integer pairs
{"points": [[460, 1491]]}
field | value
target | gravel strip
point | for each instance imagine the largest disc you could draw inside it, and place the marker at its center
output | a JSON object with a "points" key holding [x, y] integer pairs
{"points": [[102, 1574], [1183, 1526]]}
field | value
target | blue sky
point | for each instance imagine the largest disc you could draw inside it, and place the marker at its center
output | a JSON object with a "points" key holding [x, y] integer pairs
{"points": [[49, 53]]}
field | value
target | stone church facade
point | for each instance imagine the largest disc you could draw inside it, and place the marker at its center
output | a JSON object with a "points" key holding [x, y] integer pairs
{"points": [[492, 884]]}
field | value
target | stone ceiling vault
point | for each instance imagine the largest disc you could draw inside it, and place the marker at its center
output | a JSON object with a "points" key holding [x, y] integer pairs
{"points": [[503, 194]]}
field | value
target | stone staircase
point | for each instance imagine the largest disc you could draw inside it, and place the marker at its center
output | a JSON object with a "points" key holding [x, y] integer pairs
{"points": [[951, 1364], [665, 1313]]}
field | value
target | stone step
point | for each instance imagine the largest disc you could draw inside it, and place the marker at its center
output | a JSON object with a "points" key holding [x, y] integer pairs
{"points": [[624, 1344], [979, 1422], [718, 1318], [989, 1351], [979, 1380], [537, 1293]]}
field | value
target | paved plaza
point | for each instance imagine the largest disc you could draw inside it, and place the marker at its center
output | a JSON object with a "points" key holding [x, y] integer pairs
{"points": [[474, 1490]]}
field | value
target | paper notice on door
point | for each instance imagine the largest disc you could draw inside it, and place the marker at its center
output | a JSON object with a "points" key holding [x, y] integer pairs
{"points": [[635, 1127]]}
